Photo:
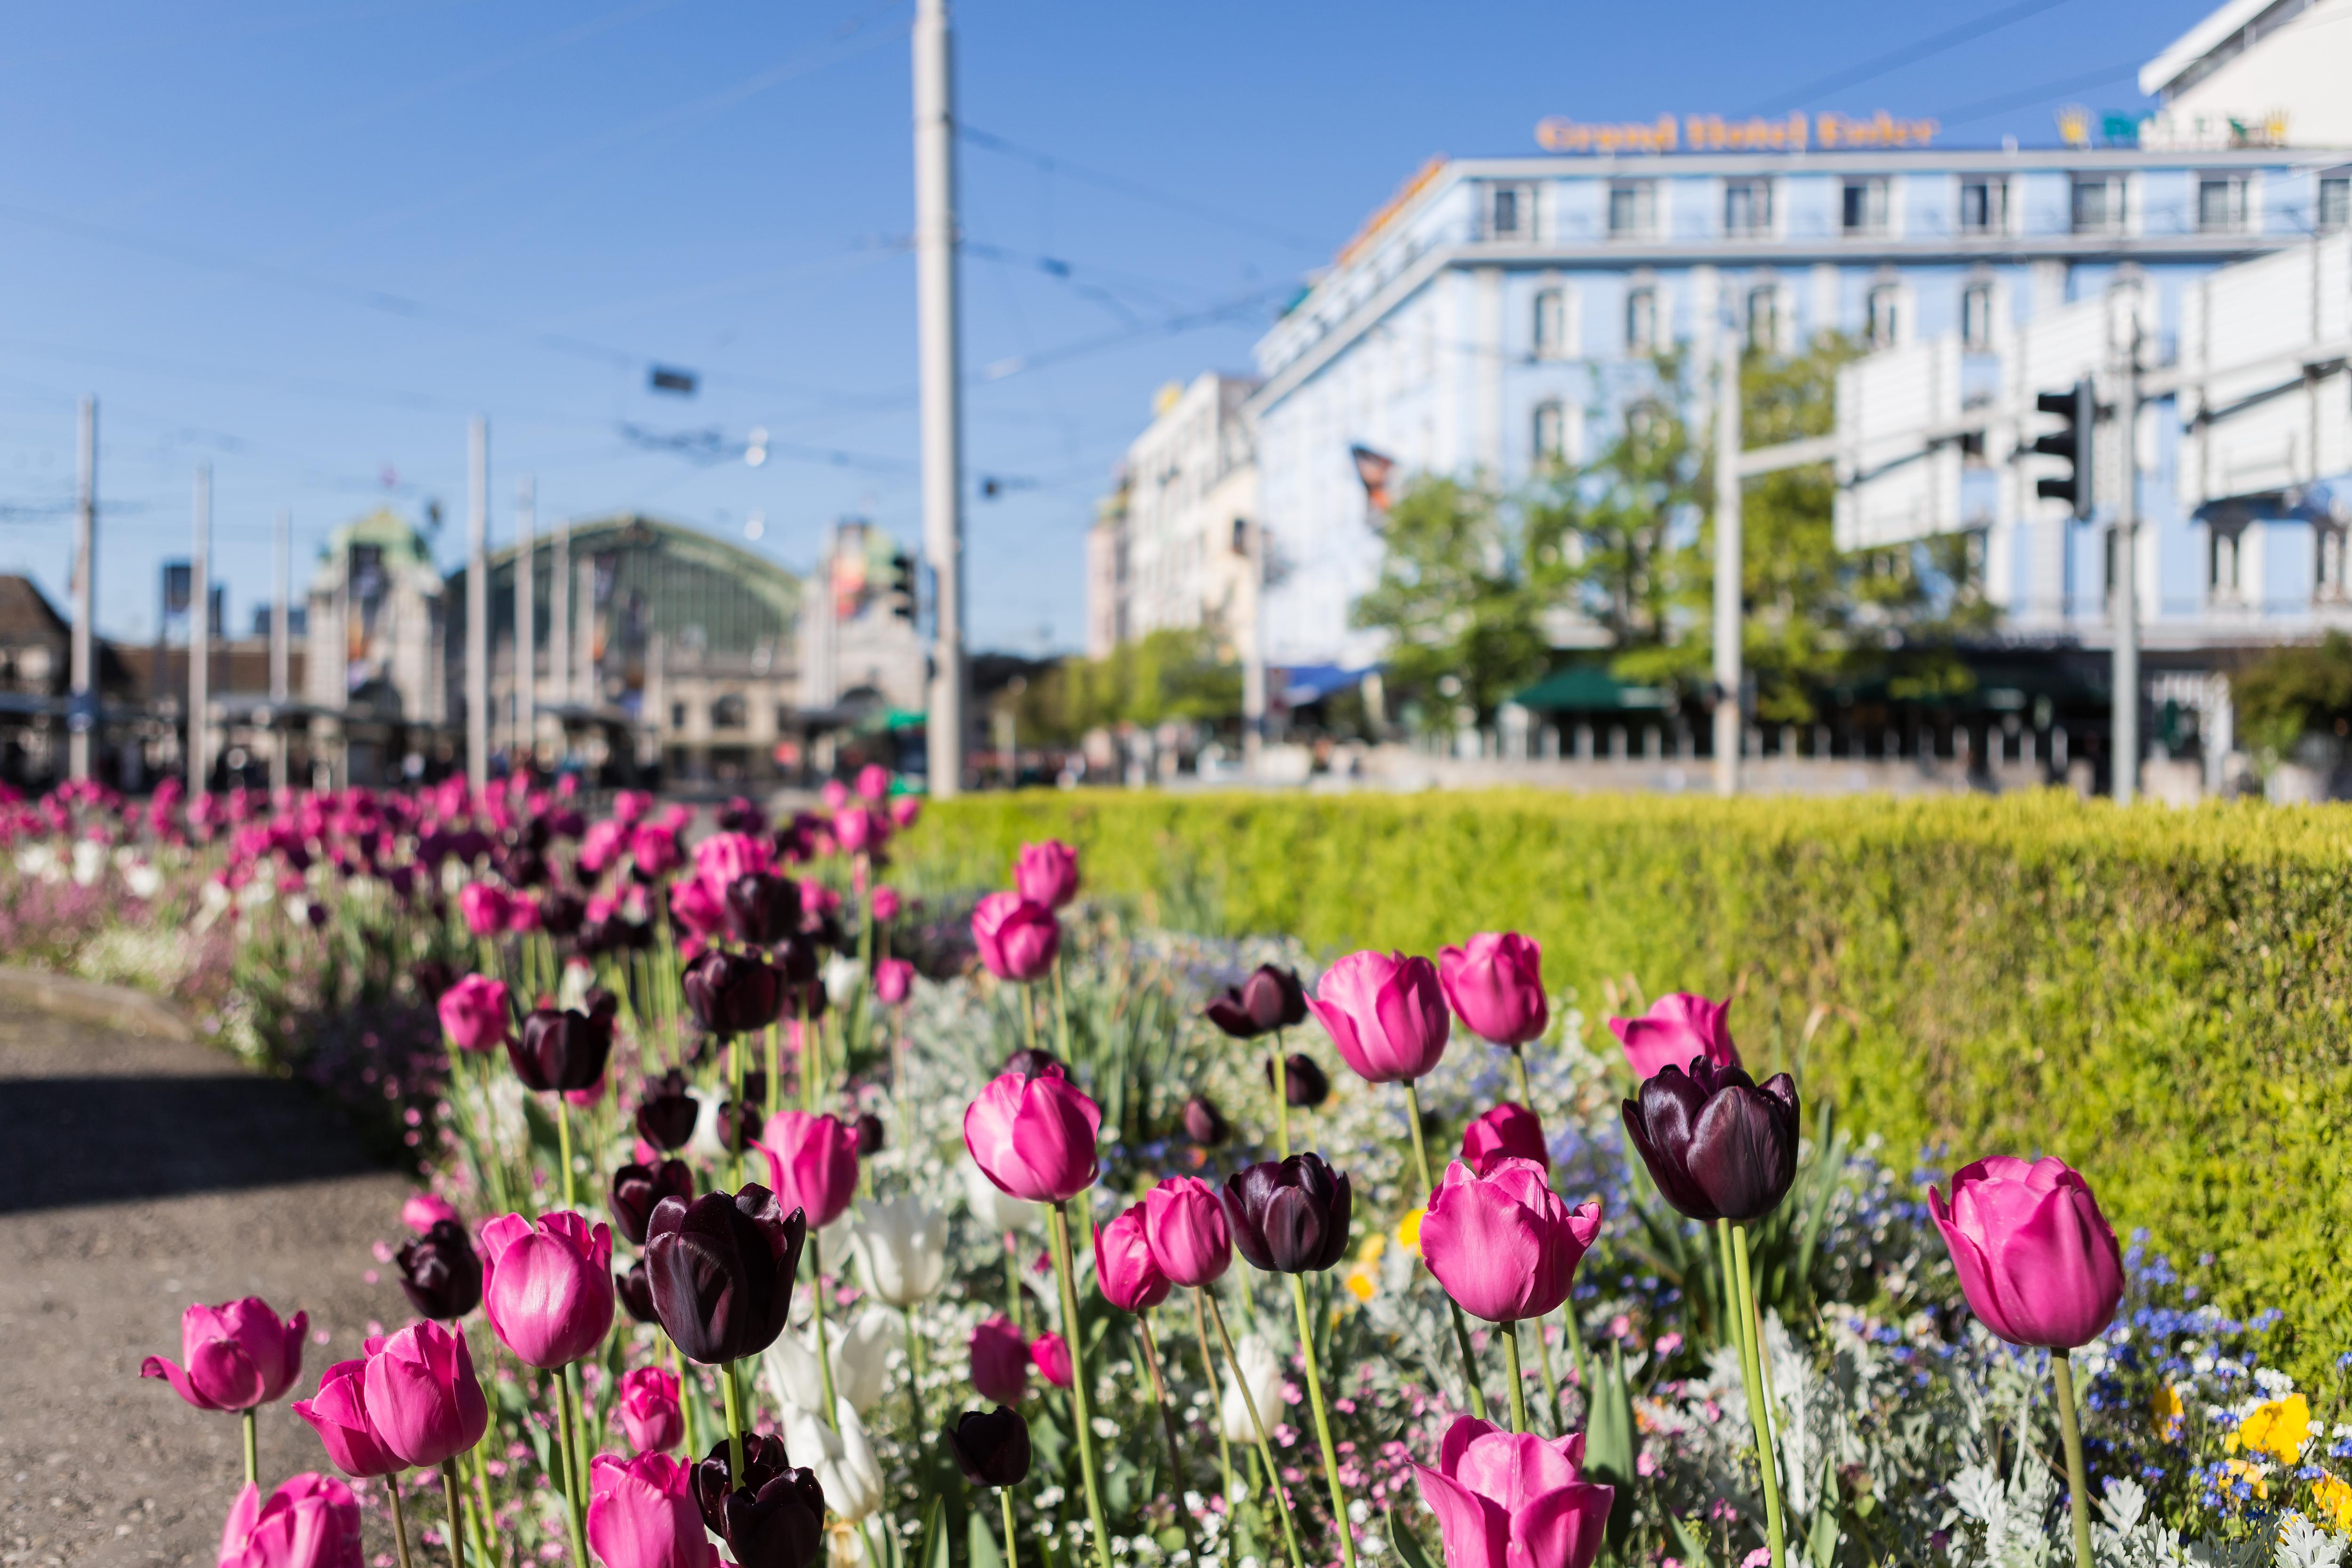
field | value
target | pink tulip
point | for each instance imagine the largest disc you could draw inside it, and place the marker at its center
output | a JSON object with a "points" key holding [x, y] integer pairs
{"points": [[1047, 873], [238, 1355], [1185, 1225], [1000, 1361], [310, 1522], [1034, 1134], [642, 1514], [904, 812], [1124, 1268], [873, 782], [697, 906], [338, 1413], [2036, 1257], [651, 1415], [1511, 1130], [1385, 1013], [1051, 1356], [655, 849], [474, 1012], [1495, 984], [1504, 1244], [1514, 1502], [548, 1289], [423, 1211], [834, 794], [857, 830], [1675, 1029], [883, 905], [812, 1163], [522, 915], [893, 978], [423, 1397], [603, 845], [484, 906], [723, 857], [630, 806], [1017, 937]]}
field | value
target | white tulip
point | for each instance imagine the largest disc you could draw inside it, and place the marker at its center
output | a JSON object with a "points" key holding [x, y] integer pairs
{"points": [[842, 1459], [789, 1368], [1263, 1373], [143, 880], [997, 1210], [859, 1351], [842, 975], [88, 862], [902, 1245]]}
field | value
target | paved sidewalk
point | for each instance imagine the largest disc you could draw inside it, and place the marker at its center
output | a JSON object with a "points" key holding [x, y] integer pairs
{"points": [[138, 1175]]}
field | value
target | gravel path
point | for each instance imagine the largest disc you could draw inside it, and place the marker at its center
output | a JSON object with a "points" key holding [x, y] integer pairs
{"points": [[137, 1176]]}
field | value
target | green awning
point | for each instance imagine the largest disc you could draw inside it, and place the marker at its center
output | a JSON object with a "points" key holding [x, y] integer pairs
{"points": [[1588, 687]]}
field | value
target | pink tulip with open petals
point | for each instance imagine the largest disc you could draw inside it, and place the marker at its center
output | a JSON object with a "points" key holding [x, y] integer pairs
{"points": [[1034, 1134], [1504, 1244], [1017, 937], [474, 1012], [311, 1521], [548, 1288], [238, 1355], [1507, 1500], [642, 1514], [2036, 1258], [423, 1398], [338, 1413], [1675, 1029], [1386, 1014], [1494, 983]]}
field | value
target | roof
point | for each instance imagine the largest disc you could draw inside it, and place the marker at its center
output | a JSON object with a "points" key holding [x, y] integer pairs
{"points": [[26, 613], [1579, 687], [2183, 53]]}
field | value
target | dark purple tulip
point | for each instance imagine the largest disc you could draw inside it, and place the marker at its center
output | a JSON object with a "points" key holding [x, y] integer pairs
{"points": [[1302, 1083], [763, 1461], [431, 977], [665, 1116], [742, 815], [1289, 1216], [524, 869], [637, 1188], [561, 913], [636, 1289], [1029, 1061], [733, 992], [1270, 999], [1719, 1146], [737, 1134], [1204, 1123], [990, 1448], [782, 1525], [561, 1050], [722, 1269], [798, 957], [440, 1272], [869, 1134], [762, 908]]}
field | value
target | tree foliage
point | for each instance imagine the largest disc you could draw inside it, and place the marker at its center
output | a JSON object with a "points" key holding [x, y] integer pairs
{"points": [[2291, 693], [1175, 673]]}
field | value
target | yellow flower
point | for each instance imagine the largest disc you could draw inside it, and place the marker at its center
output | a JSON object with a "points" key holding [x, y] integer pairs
{"points": [[1360, 1284], [1408, 1231], [2279, 1428], [1374, 1245], [2334, 1498], [2167, 1410]]}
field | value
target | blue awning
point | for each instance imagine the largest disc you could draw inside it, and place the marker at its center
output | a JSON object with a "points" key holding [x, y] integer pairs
{"points": [[1302, 684]]}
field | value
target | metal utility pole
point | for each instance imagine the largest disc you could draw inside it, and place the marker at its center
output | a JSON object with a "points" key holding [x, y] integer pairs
{"points": [[936, 239], [281, 644], [1730, 725], [526, 667], [559, 616], [2125, 742], [584, 633], [1254, 653], [478, 607], [200, 637], [81, 712]]}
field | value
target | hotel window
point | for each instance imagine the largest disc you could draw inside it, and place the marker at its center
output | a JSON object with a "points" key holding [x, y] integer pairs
{"points": [[677, 715], [1976, 316], [2220, 203], [1633, 209], [2335, 202], [1510, 213], [2221, 565], [1764, 318], [728, 713], [1865, 209], [1984, 206], [1748, 208], [1552, 324], [2098, 204], [1551, 435], [2327, 578], [1641, 321], [1885, 315]]}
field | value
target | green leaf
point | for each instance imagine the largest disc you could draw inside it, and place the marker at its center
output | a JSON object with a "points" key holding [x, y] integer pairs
{"points": [[934, 1551], [1689, 1545], [1408, 1545], [982, 1545]]}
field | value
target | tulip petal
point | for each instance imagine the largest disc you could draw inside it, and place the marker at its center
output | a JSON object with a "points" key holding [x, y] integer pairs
{"points": [[227, 1372], [2059, 1275], [1974, 1269], [1477, 1531], [174, 1374], [1510, 1468], [1562, 1529]]}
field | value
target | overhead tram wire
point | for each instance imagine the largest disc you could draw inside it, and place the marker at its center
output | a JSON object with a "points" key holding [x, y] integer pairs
{"points": [[1895, 59], [1985, 107], [1124, 187]]}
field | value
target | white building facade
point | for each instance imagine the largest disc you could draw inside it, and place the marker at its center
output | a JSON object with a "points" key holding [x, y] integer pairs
{"points": [[1170, 547]]}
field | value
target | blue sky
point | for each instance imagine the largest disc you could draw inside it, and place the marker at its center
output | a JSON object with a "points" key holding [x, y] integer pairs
{"points": [[303, 241]]}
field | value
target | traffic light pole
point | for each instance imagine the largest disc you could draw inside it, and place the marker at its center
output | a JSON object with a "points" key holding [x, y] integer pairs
{"points": [[1730, 726], [941, 396], [2125, 744]]}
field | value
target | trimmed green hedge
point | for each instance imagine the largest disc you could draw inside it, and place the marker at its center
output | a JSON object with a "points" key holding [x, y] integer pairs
{"points": [[2157, 997]]}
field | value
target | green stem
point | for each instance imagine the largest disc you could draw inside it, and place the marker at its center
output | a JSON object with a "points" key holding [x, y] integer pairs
{"points": [[563, 1145], [1012, 1280], [1216, 1405], [1167, 1419], [399, 1518], [1552, 1384], [734, 1424], [567, 1438], [1029, 1014], [1323, 1423], [1281, 1097], [453, 1496], [1004, 1499], [1759, 1409], [1519, 1379], [1519, 1060], [816, 1303], [482, 1520], [1257, 1422], [252, 1447], [1735, 1322], [1428, 1186], [776, 1077], [1061, 1008], [2078, 1480], [1063, 1271], [914, 1382]]}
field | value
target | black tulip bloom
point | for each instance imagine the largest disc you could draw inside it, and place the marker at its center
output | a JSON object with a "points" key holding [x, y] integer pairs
{"points": [[869, 1134], [665, 1116], [636, 1289], [722, 1269], [1270, 999], [738, 1130], [561, 1050], [1719, 1146], [1204, 1123], [1029, 1061], [1304, 1084], [562, 914], [798, 958], [780, 1525], [992, 1447], [762, 909], [731, 993], [637, 1189], [440, 1273], [1289, 1216], [763, 1461], [524, 869]]}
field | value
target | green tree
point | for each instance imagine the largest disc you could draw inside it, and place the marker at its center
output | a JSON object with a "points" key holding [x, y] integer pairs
{"points": [[2291, 693], [1176, 673]]}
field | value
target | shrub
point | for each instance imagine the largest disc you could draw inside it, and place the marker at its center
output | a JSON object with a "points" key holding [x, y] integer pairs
{"points": [[2158, 996]]}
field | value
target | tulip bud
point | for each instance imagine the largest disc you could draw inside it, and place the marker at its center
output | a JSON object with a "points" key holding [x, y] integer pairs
{"points": [[1051, 1355], [902, 1245], [1719, 1146], [637, 1188], [882, 905], [1017, 937], [869, 1134], [239, 1354], [893, 978], [1124, 1269], [812, 1163], [721, 1269], [1184, 1225], [1289, 1216], [665, 1116], [473, 1012], [1047, 873], [1270, 998], [1034, 1136], [636, 1289], [762, 908], [1503, 1244], [782, 1525], [732, 993], [1204, 1123], [422, 1211], [311, 1521], [562, 1051], [642, 1513], [547, 1288], [1304, 1084], [740, 1127], [1029, 1061], [1675, 1029], [904, 811], [1386, 1015], [338, 1413], [990, 1448], [440, 1273], [422, 1395], [1510, 1130], [650, 1414], [561, 914], [2037, 1261], [1000, 1361], [1494, 983], [1488, 1498]]}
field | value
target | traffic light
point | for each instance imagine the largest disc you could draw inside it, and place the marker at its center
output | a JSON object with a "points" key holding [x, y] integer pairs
{"points": [[2079, 408], [902, 586]]}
